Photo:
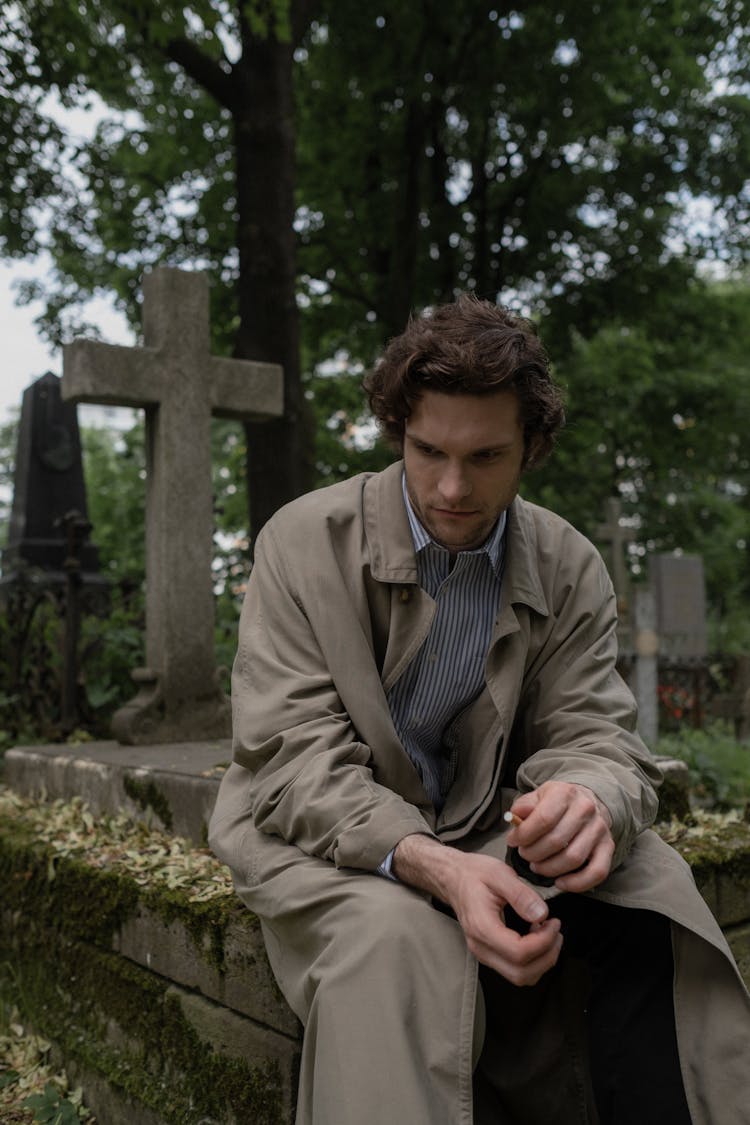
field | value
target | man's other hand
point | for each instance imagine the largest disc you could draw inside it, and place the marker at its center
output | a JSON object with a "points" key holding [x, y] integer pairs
{"points": [[565, 835], [478, 888]]}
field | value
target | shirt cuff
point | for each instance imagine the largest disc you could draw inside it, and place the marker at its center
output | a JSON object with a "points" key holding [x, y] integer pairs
{"points": [[385, 868]]}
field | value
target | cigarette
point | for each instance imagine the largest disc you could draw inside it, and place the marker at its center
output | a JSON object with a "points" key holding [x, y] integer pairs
{"points": [[511, 818]]}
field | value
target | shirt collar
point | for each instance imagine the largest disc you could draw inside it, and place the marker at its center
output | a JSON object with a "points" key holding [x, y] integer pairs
{"points": [[493, 545]]}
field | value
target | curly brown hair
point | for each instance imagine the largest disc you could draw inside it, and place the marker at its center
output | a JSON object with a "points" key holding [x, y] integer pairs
{"points": [[469, 347]]}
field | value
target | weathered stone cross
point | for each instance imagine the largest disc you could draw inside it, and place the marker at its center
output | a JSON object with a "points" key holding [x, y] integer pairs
{"points": [[180, 385], [615, 535]]}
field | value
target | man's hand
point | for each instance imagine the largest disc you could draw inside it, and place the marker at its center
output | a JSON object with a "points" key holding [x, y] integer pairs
{"points": [[477, 888], [564, 827]]}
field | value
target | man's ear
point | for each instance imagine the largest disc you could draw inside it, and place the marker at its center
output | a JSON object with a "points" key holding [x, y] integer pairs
{"points": [[532, 453]]}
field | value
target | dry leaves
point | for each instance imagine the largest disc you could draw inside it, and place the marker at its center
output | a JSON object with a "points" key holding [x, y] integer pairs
{"points": [[150, 857], [25, 1070], [703, 826]]}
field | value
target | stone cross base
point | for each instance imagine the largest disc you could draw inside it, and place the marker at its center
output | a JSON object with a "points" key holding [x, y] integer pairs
{"points": [[150, 717]]}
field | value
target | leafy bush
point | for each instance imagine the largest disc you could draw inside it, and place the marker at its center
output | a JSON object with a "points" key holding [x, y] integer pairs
{"points": [[719, 765]]}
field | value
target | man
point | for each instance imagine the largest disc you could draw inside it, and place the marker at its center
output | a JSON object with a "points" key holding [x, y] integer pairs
{"points": [[422, 653]]}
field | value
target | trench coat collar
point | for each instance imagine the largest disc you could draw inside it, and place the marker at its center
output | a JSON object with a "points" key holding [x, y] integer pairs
{"points": [[391, 547]]}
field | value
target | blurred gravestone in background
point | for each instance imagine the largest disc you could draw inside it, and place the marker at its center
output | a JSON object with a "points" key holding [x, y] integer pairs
{"points": [[47, 577], [679, 589], [680, 593], [48, 483]]}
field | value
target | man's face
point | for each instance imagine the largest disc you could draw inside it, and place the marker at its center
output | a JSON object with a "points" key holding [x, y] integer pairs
{"points": [[463, 456]]}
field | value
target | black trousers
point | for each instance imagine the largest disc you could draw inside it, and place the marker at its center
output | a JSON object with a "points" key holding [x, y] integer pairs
{"points": [[613, 1039]]}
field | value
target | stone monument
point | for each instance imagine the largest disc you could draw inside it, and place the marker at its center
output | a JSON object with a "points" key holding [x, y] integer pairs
{"points": [[180, 385], [614, 535], [48, 483], [680, 592], [637, 631], [40, 575]]}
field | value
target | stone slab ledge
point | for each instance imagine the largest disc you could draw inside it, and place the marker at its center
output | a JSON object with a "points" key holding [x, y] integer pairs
{"points": [[172, 786]]}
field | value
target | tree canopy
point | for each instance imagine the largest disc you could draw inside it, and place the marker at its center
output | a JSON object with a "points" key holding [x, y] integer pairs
{"points": [[547, 153], [342, 163]]}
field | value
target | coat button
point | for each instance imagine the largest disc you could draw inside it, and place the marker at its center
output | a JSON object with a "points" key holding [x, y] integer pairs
{"points": [[405, 594]]}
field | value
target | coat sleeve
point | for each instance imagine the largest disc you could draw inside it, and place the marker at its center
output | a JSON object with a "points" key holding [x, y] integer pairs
{"points": [[312, 779], [577, 717]]}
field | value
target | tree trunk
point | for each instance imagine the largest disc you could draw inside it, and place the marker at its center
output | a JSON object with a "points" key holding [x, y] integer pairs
{"points": [[279, 463]]}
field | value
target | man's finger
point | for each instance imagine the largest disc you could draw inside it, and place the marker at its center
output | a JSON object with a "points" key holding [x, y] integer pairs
{"points": [[523, 960], [595, 872], [526, 902]]}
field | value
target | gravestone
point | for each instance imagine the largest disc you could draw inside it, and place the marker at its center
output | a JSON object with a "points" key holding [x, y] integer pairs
{"points": [[180, 385], [48, 483], [39, 574], [637, 630], [680, 592]]}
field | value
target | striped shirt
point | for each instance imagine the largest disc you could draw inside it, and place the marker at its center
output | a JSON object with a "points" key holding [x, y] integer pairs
{"points": [[448, 672]]}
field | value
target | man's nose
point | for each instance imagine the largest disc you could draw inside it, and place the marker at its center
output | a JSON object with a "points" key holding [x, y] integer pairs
{"points": [[454, 484]]}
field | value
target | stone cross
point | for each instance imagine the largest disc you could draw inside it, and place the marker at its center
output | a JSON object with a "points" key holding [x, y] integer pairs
{"points": [[645, 674], [180, 385], [615, 535]]}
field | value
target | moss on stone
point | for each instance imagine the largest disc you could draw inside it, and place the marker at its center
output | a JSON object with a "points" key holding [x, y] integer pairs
{"points": [[147, 795], [62, 891], [716, 844], [674, 800], [68, 895], [117, 1018]]}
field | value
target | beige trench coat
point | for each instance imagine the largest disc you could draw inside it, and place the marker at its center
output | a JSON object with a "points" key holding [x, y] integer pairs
{"points": [[321, 790]]}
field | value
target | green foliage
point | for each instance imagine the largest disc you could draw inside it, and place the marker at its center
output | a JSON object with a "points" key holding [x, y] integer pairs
{"points": [[548, 153], [719, 765], [657, 411], [545, 154], [115, 471], [345, 438], [8, 433], [111, 647], [52, 1108]]}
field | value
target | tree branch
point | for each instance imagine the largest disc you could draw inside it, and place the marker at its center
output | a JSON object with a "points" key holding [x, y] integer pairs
{"points": [[206, 72]]}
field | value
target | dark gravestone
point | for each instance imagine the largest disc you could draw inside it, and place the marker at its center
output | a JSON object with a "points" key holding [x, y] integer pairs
{"points": [[680, 593], [50, 568], [48, 484]]}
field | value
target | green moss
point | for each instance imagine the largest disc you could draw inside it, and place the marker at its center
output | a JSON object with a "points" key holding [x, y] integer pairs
{"points": [[673, 799], [61, 891], [725, 846], [109, 1015], [120, 1021], [147, 795], [67, 894]]}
